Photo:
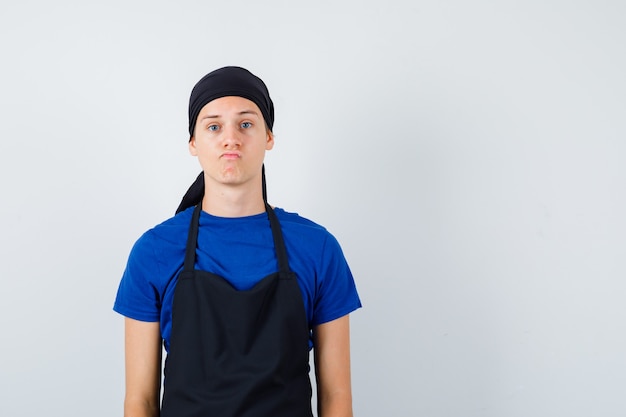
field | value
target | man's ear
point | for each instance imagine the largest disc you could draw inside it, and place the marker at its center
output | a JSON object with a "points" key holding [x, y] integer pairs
{"points": [[192, 146], [270, 141]]}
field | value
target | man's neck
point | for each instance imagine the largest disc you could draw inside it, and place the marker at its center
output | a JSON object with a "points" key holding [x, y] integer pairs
{"points": [[229, 201]]}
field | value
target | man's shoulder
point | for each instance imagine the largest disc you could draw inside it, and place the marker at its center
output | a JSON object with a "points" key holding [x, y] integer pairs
{"points": [[296, 220], [303, 231], [170, 231]]}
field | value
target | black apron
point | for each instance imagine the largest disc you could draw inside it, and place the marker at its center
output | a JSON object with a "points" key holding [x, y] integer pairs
{"points": [[237, 353]]}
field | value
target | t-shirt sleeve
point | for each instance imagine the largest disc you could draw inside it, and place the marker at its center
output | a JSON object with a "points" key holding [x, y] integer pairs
{"points": [[336, 293], [137, 297]]}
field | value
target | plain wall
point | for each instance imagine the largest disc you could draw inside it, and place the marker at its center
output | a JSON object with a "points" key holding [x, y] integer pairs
{"points": [[469, 156]]}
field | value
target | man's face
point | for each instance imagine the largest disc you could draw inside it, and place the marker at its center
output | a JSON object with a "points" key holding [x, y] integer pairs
{"points": [[230, 140]]}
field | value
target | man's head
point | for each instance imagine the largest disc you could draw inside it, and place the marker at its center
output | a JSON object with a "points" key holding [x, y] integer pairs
{"points": [[230, 81], [226, 82]]}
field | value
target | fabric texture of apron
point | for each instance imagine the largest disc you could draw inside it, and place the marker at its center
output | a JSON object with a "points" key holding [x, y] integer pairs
{"points": [[237, 353]]}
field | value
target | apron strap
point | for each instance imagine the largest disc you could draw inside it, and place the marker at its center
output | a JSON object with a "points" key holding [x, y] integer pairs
{"points": [[279, 243], [192, 239]]}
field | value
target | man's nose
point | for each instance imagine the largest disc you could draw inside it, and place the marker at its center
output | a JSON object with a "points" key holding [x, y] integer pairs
{"points": [[231, 136]]}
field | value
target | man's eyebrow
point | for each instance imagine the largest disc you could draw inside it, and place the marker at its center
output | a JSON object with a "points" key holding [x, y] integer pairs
{"points": [[216, 116], [248, 112]]}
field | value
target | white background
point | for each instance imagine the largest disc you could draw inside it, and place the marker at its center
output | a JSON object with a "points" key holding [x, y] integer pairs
{"points": [[469, 156]]}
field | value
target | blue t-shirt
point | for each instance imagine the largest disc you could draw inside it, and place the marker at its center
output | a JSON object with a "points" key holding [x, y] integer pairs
{"points": [[241, 250]]}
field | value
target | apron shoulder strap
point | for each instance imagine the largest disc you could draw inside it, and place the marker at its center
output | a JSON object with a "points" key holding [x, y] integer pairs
{"points": [[279, 243], [192, 238]]}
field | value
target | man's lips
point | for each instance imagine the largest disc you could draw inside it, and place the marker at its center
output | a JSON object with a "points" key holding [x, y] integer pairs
{"points": [[231, 155]]}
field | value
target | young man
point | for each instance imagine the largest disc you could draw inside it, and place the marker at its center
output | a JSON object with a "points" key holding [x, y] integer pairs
{"points": [[237, 291]]}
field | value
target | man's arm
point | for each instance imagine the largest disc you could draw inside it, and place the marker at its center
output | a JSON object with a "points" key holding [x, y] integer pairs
{"points": [[143, 368], [332, 368]]}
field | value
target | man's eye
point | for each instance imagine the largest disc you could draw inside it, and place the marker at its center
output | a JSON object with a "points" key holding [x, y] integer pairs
{"points": [[246, 125], [213, 128]]}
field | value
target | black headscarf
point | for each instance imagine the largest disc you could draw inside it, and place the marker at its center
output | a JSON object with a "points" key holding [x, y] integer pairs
{"points": [[223, 82]]}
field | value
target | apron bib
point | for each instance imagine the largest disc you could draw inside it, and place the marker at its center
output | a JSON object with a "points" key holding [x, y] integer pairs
{"points": [[237, 353]]}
